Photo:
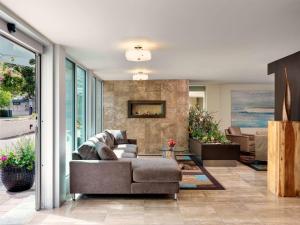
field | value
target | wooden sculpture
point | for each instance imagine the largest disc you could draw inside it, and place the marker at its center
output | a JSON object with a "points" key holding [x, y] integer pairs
{"points": [[286, 106]]}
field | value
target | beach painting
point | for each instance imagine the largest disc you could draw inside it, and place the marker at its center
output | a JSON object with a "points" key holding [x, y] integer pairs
{"points": [[252, 109]]}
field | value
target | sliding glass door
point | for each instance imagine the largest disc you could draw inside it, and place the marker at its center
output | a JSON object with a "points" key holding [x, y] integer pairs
{"points": [[80, 105], [70, 110]]}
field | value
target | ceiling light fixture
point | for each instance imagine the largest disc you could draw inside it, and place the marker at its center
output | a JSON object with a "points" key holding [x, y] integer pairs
{"points": [[140, 76], [138, 54]]}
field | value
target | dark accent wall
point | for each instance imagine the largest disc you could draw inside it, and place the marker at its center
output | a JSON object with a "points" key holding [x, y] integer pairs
{"points": [[292, 63]]}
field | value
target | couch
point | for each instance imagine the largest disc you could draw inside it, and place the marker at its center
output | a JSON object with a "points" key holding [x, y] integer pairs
{"points": [[107, 164]]}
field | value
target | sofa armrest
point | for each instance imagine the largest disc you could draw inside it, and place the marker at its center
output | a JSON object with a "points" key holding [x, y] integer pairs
{"points": [[100, 176], [242, 140], [132, 141]]}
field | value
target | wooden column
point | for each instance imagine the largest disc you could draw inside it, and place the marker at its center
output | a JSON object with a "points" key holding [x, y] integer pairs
{"points": [[284, 158]]}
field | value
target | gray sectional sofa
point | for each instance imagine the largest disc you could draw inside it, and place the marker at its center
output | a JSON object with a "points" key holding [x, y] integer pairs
{"points": [[108, 164]]}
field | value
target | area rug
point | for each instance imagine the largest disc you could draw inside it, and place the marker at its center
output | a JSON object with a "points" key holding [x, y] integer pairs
{"points": [[254, 164], [195, 176]]}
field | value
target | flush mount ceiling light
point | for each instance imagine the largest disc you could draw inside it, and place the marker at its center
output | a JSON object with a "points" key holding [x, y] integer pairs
{"points": [[138, 54], [140, 76]]}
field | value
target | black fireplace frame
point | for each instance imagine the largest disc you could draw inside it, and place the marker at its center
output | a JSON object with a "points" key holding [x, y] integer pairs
{"points": [[146, 102]]}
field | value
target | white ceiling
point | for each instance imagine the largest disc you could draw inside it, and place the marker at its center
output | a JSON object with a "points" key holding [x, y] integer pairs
{"points": [[208, 40]]}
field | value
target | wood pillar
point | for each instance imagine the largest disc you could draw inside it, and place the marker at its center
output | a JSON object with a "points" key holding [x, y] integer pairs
{"points": [[284, 158]]}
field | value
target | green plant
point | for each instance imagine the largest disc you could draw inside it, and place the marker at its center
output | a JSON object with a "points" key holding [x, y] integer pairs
{"points": [[21, 155], [5, 98], [203, 127], [18, 79]]}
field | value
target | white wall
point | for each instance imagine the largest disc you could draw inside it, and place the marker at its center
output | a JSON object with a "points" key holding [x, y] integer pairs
{"points": [[219, 101]]}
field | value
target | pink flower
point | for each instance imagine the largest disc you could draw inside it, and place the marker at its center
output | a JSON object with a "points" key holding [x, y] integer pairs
{"points": [[3, 158]]}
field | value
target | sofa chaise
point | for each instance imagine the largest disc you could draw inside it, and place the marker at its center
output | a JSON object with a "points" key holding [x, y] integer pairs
{"points": [[108, 164]]}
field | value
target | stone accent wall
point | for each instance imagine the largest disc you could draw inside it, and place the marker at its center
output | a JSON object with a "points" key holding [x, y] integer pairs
{"points": [[150, 133]]}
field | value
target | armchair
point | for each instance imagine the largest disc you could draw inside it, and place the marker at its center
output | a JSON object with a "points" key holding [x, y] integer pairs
{"points": [[246, 141]]}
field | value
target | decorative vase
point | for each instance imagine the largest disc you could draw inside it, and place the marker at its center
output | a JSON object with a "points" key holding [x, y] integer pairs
{"points": [[17, 179], [172, 148], [286, 106]]}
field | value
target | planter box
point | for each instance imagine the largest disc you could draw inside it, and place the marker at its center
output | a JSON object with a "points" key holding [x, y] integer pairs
{"points": [[210, 154]]}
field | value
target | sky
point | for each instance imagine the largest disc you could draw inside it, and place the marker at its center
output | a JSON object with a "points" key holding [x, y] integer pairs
{"points": [[10, 50]]}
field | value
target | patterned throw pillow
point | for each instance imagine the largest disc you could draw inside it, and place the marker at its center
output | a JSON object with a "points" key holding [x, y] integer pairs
{"points": [[110, 140], [120, 136], [105, 153], [87, 150]]}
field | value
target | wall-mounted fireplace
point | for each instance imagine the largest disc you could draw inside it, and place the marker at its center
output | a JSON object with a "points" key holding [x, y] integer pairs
{"points": [[146, 109]]}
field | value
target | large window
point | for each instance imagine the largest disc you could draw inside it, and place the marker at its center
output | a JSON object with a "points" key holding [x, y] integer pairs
{"points": [[93, 106], [83, 106], [98, 106], [80, 105], [70, 110]]}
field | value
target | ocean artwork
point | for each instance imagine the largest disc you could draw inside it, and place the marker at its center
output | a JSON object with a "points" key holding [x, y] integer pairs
{"points": [[252, 108]]}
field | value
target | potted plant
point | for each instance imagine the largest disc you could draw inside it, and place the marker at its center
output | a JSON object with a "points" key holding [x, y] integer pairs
{"points": [[204, 128], [17, 166], [5, 100], [171, 144]]}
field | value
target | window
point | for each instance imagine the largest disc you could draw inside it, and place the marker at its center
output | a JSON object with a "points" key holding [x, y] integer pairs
{"points": [[91, 128], [83, 106], [80, 106], [70, 110], [98, 106]]}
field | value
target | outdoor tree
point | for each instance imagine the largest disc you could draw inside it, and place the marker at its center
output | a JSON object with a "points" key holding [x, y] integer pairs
{"points": [[18, 79], [5, 98], [28, 74], [12, 84]]}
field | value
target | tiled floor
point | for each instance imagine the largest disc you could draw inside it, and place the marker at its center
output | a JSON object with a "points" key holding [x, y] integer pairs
{"points": [[16, 208], [245, 201]]}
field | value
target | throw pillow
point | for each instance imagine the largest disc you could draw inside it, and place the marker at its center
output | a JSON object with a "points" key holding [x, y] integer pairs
{"points": [[101, 137], [110, 140], [105, 153], [120, 136], [87, 150]]}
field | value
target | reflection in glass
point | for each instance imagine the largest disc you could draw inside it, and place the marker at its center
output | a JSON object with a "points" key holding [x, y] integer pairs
{"points": [[81, 106], [70, 110], [98, 106]]}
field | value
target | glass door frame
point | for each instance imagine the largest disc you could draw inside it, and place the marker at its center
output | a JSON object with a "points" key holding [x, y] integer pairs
{"points": [[38, 120]]}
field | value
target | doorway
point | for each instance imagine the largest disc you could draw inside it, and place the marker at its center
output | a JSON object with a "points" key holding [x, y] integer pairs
{"points": [[19, 135]]}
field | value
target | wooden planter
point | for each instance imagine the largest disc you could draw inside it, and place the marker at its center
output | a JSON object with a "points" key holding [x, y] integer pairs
{"points": [[215, 154], [284, 158]]}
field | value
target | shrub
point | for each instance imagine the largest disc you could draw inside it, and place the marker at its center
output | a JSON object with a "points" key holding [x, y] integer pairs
{"points": [[203, 127], [5, 98], [21, 155]]}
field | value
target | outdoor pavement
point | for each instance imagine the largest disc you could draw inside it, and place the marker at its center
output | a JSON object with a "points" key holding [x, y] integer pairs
{"points": [[4, 143]]}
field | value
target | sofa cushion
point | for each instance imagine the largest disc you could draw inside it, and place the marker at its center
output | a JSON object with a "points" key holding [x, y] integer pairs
{"points": [[156, 170], [105, 153], [120, 153], [127, 148], [235, 130], [87, 150]]}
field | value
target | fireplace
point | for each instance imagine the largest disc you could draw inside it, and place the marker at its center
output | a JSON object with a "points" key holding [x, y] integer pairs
{"points": [[146, 109]]}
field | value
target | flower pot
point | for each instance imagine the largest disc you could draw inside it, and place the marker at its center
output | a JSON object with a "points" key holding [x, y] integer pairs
{"points": [[5, 113], [17, 179]]}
